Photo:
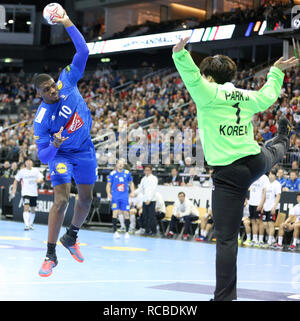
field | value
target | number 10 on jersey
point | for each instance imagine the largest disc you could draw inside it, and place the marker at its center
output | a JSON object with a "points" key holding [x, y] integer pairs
{"points": [[65, 111]]}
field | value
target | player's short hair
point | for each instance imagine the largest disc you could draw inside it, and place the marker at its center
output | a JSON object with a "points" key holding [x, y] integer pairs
{"points": [[120, 160], [221, 68], [298, 194], [181, 193], [273, 171], [294, 171], [39, 79], [148, 166]]}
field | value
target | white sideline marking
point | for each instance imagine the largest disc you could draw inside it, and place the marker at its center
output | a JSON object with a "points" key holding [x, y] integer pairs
{"points": [[135, 281]]}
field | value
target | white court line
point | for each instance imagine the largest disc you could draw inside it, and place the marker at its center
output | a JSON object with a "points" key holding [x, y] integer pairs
{"points": [[135, 281]]}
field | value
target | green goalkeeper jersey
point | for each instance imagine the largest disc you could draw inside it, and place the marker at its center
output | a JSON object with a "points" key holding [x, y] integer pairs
{"points": [[224, 112]]}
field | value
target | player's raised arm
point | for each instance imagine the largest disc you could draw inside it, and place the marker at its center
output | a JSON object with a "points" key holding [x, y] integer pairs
{"points": [[82, 51], [262, 99], [199, 88]]}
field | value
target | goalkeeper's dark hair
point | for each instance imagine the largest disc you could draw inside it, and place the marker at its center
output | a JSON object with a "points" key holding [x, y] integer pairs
{"points": [[39, 79], [221, 68]]}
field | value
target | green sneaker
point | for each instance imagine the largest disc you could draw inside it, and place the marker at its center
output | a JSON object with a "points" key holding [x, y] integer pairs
{"points": [[247, 243], [259, 244]]}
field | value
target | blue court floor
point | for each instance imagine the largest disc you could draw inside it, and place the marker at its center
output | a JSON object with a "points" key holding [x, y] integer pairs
{"points": [[138, 269]]}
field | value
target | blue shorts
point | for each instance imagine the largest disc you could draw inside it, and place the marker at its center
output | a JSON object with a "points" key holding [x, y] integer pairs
{"points": [[121, 204], [81, 165]]}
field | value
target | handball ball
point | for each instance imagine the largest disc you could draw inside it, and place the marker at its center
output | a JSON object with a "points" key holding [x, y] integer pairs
{"points": [[53, 11]]}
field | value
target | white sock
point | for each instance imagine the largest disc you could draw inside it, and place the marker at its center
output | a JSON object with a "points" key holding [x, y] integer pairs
{"points": [[254, 237], [261, 239], [295, 241], [204, 234], [26, 218], [280, 239], [31, 218], [248, 237], [132, 222], [122, 220], [270, 240]]}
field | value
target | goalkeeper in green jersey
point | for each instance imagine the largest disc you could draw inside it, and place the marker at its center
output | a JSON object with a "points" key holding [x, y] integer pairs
{"points": [[224, 116]]}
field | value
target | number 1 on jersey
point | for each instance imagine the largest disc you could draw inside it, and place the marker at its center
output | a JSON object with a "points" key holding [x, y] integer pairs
{"points": [[237, 112]]}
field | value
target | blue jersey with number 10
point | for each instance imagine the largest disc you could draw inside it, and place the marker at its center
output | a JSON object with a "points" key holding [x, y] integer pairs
{"points": [[71, 112], [119, 183]]}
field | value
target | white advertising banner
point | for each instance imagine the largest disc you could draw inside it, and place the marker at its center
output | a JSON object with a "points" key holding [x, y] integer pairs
{"points": [[198, 195], [161, 39]]}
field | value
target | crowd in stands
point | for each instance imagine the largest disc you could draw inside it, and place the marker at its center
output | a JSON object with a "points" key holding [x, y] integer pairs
{"points": [[164, 99], [270, 10]]}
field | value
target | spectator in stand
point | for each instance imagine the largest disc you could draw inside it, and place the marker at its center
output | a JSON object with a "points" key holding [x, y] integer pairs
{"points": [[297, 143], [295, 165], [209, 182], [292, 223], [259, 138], [293, 183], [256, 120], [136, 131], [296, 118], [192, 179], [294, 150], [184, 211], [280, 177], [272, 126], [267, 134], [13, 170], [5, 170], [191, 173], [174, 179]]}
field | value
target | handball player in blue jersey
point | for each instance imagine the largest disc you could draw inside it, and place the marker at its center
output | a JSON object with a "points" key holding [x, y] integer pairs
{"points": [[117, 188], [62, 126]]}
